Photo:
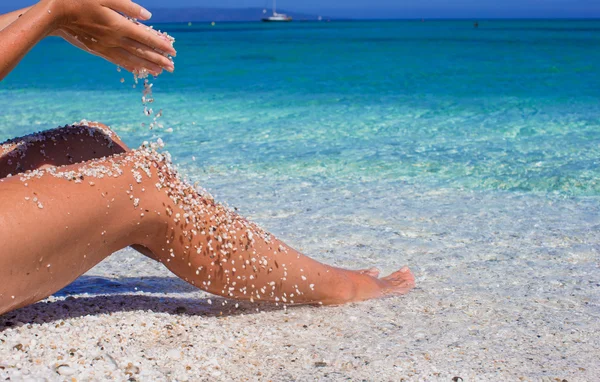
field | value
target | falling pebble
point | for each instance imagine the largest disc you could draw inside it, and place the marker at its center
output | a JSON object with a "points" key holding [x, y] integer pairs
{"points": [[122, 80], [118, 69]]}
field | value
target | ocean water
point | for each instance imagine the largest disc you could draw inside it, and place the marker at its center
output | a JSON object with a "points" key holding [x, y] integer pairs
{"points": [[343, 138]]}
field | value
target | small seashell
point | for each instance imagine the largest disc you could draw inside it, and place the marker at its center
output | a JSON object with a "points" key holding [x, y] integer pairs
{"points": [[65, 370]]}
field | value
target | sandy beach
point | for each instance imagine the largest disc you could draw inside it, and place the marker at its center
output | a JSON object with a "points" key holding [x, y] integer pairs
{"points": [[505, 292]]}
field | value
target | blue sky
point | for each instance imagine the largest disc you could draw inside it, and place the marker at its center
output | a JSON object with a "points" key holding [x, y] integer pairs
{"points": [[395, 8]]}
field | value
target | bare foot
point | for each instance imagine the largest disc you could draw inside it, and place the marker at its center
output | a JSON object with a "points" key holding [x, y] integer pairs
{"points": [[399, 282], [373, 272]]}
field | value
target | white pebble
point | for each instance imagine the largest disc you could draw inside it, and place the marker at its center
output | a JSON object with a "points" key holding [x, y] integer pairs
{"points": [[174, 354]]}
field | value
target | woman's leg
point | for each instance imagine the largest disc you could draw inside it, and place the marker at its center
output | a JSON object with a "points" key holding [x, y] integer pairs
{"points": [[59, 222]]}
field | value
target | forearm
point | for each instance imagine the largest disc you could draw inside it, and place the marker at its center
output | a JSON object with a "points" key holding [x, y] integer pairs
{"points": [[8, 18], [24, 32]]}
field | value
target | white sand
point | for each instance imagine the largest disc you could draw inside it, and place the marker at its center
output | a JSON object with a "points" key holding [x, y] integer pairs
{"points": [[508, 289]]}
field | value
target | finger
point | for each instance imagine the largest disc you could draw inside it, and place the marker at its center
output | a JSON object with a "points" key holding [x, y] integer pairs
{"points": [[118, 60], [132, 63], [145, 52], [128, 66], [148, 36], [129, 8]]}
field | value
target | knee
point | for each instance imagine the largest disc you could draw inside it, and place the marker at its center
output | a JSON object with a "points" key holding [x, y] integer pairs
{"points": [[97, 126], [93, 128], [95, 133]]}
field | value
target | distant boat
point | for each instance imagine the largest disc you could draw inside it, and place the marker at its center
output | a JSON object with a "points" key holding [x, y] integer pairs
{"points": [[277, 17]]}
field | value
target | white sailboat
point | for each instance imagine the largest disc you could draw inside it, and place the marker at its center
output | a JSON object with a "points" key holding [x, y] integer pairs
{"points": [[276, 16]]}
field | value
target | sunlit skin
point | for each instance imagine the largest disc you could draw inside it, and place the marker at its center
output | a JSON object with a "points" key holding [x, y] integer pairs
{"points": [[70, 197]]}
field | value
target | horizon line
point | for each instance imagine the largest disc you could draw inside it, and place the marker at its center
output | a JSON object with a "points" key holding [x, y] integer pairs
{"points": [[488, 18]]}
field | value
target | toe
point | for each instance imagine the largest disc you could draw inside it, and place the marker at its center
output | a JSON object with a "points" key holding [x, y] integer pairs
{"points": [[402, 278]]}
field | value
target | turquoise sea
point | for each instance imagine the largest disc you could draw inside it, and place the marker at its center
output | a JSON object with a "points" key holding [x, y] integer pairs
{"points": [[512, 105], [346, 123]]}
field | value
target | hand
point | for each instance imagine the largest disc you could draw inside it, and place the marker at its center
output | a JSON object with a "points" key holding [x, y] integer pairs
{"points": [[99, 27]]}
